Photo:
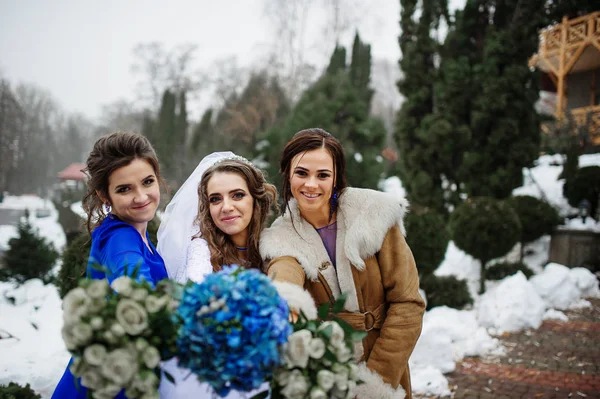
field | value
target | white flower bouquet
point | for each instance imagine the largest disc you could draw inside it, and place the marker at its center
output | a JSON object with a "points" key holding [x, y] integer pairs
{"points": [[118, 336], [318, 359]]}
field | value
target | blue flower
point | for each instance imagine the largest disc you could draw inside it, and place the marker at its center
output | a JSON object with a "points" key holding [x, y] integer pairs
{"points": [[234, 324]]}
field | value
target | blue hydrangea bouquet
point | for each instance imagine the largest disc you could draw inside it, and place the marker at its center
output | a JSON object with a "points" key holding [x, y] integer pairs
{"points": [[234, 326]]}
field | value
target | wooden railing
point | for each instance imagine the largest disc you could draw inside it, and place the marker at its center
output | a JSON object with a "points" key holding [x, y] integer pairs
{"points": [[582, 117], [571, 33]]}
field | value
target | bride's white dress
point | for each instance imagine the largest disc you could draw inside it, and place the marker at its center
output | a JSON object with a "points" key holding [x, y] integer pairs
{"points": [[186, 384]]}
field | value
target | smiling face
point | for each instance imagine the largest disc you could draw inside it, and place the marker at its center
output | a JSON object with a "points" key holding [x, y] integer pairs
{"points": [[231, 205], [311, 183], [134, 193]]}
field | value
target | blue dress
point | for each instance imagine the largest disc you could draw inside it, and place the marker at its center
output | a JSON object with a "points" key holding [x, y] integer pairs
{"points": [[118, 247]]}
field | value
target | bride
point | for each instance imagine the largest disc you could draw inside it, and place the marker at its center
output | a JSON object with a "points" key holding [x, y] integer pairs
{"points": [[214, 219]]}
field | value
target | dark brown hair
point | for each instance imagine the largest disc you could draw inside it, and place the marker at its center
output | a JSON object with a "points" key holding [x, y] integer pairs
{"points": [[308, 140], [222, 249], [110, 153]]}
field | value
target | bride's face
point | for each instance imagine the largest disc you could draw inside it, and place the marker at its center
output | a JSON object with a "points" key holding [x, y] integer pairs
{"points": [[231, 205]]}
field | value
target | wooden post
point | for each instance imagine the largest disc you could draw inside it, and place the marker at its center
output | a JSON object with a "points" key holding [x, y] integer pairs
{"points": [[561, 67]]}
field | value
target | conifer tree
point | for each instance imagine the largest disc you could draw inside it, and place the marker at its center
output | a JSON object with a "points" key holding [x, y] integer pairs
{"points": [[29, 256], [166, 132]]}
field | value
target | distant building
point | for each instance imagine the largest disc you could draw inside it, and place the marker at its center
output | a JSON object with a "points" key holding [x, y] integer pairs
{"points": [[72, 176], [569, 58]]}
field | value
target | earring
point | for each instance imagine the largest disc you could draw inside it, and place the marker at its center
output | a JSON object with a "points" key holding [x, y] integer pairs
{"points": [[107, 207], [333, 203]]}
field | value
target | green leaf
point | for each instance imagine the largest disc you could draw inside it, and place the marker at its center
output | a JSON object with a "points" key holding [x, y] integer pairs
{"points": [[261, 395], [339, 303], [323, 311], [169, 377]]}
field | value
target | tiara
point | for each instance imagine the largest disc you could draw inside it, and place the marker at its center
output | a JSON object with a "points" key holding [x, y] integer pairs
{"points": [[234, 158]]}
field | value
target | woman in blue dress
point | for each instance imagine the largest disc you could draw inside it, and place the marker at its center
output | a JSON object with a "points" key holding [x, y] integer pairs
{"points": [[122, 197]]}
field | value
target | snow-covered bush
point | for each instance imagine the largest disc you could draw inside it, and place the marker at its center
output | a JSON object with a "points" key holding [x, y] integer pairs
{"points": [[485, 228], [446, 291], [74, 262], [585, 184], [428, 238], [16, 391], [28, 256], [505, 269], [538, 218]]}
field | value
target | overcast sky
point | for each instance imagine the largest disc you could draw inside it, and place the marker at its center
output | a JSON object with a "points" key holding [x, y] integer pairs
{"points": [[82, 51]]}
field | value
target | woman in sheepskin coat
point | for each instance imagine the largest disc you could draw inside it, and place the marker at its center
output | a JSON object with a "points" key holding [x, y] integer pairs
{"points": [[332, 240]]}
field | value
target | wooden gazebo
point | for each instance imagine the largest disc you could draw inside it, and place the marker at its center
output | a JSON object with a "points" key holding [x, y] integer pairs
{"points": [[569, 57]]}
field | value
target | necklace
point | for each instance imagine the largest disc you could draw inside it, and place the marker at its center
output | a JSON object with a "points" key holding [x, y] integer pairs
{"points": [[241, 248]]}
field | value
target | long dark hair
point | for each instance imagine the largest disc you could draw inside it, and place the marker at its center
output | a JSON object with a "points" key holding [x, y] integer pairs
{"points": [[110, 153], [308, 140], [222, 248]]}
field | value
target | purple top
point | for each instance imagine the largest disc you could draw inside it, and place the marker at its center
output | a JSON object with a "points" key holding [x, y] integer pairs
{"points": [[328, 236]]}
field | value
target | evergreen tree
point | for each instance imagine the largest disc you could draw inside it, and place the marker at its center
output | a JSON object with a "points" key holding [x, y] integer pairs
{"points": [[504, 125], [203, 136], [166, 132], [421, 142], [29, 256], [337, 104], [360, 68]]}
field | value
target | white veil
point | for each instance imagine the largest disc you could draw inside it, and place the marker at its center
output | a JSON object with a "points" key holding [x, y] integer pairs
{"points": [[177, 222]]}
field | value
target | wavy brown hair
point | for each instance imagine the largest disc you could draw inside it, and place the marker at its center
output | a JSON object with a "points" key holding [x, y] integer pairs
{"points": [[309, 140], [110, 153], [222, 249]]}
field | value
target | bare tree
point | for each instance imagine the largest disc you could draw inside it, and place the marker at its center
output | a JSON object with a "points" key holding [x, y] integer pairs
{"points": [[11, 117]]}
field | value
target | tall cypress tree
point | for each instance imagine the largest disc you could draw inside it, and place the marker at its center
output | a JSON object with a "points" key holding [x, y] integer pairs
{"points": [[167, 132], [420, 152]]}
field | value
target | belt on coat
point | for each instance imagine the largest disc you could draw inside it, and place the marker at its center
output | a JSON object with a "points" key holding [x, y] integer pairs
{"points": [[365, 321]]}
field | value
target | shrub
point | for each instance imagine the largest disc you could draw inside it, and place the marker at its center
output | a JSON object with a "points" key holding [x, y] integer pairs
{"points": [[28, 256], [585, 184], [16, 391], [74, 263], [537, 217], [427, 237], [446, 291], [485, 228], [505, 269]]}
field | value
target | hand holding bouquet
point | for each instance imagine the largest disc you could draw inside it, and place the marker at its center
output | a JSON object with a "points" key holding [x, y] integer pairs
{"points": [[318, 359], [118, 336]]}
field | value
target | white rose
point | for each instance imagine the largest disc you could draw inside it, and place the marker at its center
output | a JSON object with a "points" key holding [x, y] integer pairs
{"points": [[351, 390], [341, 377], [153, 304], [298, 348], [98, 289], [325, 379], [282, 377], [117, 330], [108, 391], [122, 285], [94, 355], [353, 371], [317, 393], [317, 348], [82, 333], [119, 367], [92, 379], [78, 367], [151, 357], [132, 316], [296, 387], [67, 336], [96, 323], [109, 337], [96, 305], [75, 305], [151, 395], [343, 353], [336, 392], [139, 294], [337, 333], [146, 382], [141, 344]]}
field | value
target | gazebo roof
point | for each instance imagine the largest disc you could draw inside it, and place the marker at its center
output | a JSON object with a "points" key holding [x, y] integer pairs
{"points": [[73, 172]]}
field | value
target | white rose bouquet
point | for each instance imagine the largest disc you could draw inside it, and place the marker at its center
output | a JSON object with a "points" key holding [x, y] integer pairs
{"points": [[318, 358], [118, 336]]}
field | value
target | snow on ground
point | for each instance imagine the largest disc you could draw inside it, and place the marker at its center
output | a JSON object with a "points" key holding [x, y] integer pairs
{"points": [[31, 344], [47, 225], [77, 209]]}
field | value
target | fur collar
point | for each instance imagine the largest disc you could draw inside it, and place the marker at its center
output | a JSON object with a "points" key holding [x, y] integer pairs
{"points": [[364, 218]]}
